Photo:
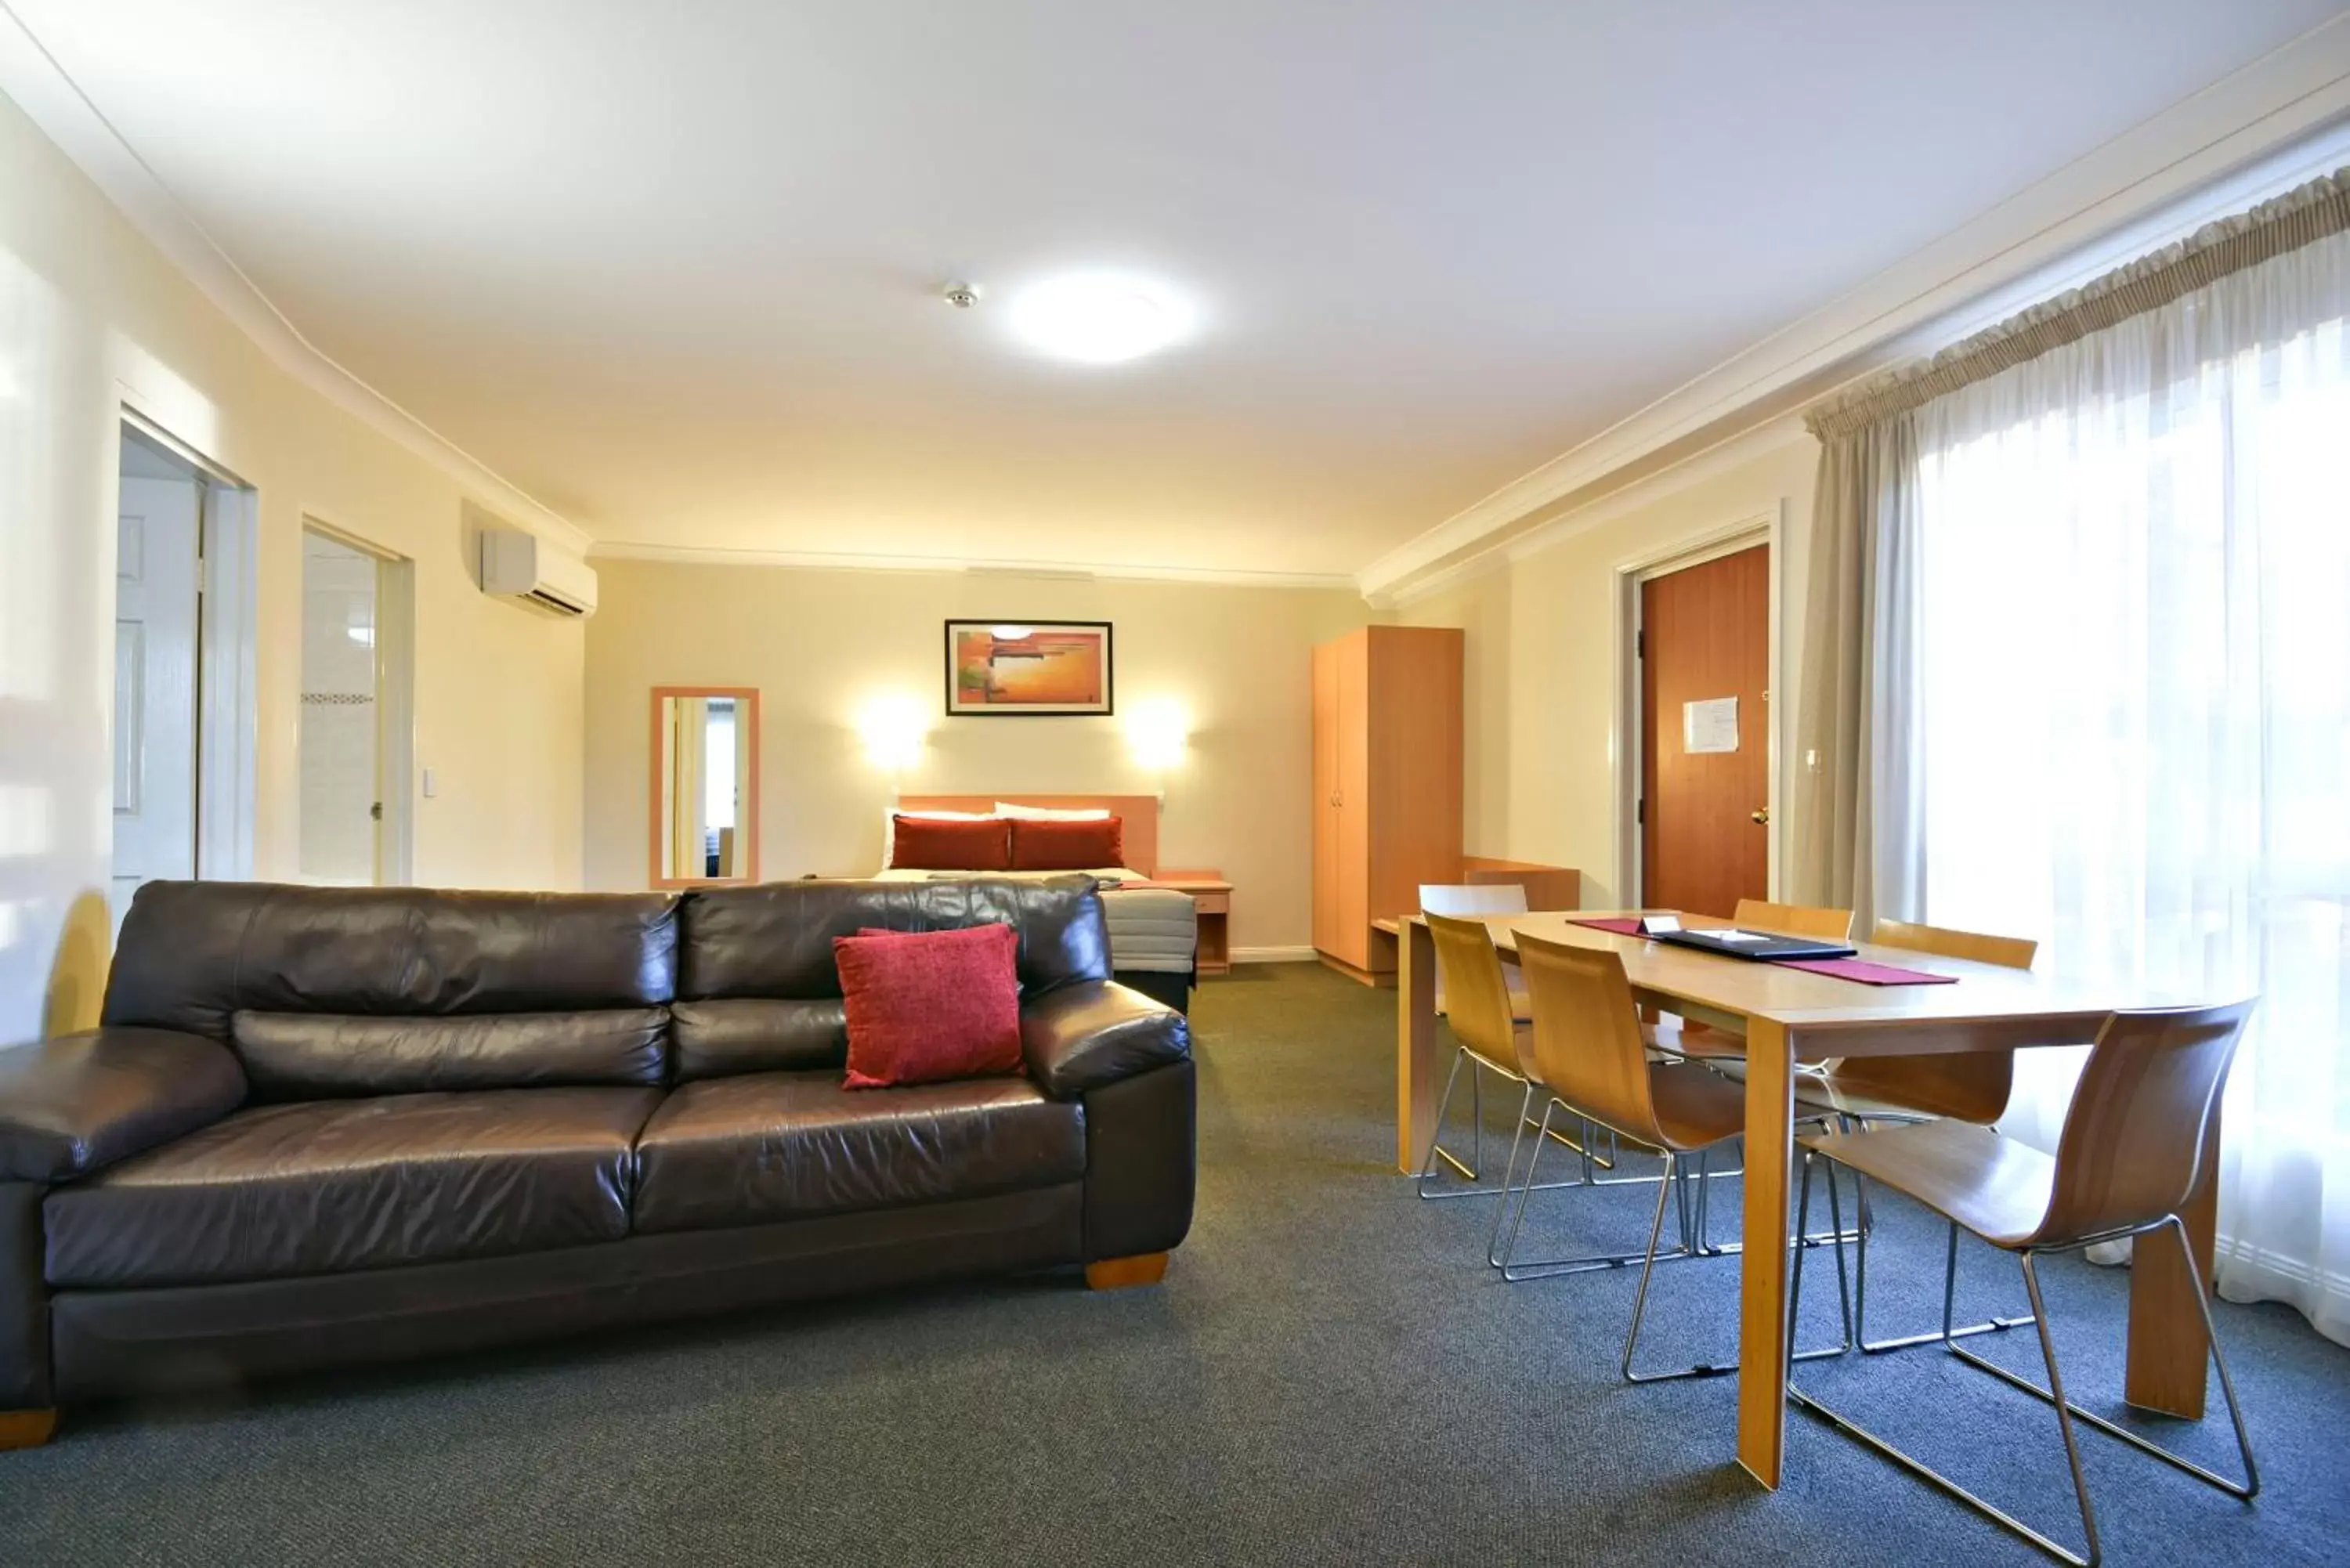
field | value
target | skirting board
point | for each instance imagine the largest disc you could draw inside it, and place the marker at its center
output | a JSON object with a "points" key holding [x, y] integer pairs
{"points": [[1273, 955]]}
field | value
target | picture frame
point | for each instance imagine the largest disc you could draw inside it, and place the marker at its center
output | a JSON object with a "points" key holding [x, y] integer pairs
{"points": [[1029, 669]]}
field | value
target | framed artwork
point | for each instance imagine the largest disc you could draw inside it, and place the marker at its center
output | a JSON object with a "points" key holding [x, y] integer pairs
{"points": [[1011, 668]]}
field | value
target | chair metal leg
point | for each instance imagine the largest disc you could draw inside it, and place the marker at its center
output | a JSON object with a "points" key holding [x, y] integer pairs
{"points": [[1581, 1145], [1472, 1171], [2066, 1411], [1647, 1269], [1493, 1232], [1551, 1268], [1927, 1472], [1436, 1149], [2064, 1406], [1716, 1369], [1476, 1123], [2246, 1490], [1866, 1224]]}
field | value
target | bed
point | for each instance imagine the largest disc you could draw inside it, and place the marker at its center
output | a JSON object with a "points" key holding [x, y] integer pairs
{"points": [[1154, 931]]}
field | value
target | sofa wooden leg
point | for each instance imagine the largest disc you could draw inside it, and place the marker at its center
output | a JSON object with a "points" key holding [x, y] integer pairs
{"points": [[1117, 1273], [26, 1428]]}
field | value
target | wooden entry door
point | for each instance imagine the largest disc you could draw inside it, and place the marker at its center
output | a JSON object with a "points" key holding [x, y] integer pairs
{"points": [[1705, 734]]}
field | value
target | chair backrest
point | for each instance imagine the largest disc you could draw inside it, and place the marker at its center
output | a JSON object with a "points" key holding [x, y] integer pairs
{"points": [[1477, 997], [1587, 1045], [1969, 1086], [2008, 952], [1478, 899], [1794, 920], [2133, 1141]]}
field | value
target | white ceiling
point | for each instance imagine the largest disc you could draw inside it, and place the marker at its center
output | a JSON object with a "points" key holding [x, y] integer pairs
{"points": [[673, 269]]}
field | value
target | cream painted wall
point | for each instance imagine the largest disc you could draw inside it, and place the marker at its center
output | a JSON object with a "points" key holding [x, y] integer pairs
{"points": [[1542, 673], [92, 318], [824, 647]]}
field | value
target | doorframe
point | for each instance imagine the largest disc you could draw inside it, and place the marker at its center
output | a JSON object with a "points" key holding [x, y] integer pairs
{"points": [[1768, 528], [227, 637], [395, 696]]}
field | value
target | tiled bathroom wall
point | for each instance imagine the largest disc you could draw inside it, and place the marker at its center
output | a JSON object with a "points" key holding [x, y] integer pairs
{"points": [[338, 727]]}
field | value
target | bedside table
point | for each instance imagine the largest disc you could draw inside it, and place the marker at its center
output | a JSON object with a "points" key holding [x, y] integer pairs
{"points": [[1211, 896]]}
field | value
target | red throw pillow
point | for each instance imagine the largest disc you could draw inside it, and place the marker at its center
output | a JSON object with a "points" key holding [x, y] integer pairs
{"points": [[928, 843], [1092, 845], [926, 1006]]}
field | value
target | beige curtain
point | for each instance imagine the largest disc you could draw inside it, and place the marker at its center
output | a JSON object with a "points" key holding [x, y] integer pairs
{"points": [[1857, 652]]}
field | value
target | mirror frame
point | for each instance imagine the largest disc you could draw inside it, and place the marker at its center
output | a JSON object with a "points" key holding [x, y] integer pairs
{"points": [[746, 699]]}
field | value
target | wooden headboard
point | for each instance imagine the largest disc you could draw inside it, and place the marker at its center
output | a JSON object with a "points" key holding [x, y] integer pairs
{"points": [[1137, 815]]}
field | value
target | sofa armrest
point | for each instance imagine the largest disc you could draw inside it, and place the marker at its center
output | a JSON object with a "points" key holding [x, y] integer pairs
{"points": [[1079, 1037], [78, 1103]]}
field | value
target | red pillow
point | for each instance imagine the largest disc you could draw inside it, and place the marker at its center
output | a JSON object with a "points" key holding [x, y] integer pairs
{"points": [[1092, 845], [926, 1006], [928, 843]]}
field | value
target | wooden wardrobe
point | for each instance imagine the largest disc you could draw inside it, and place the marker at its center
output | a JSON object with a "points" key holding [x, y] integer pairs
{"points": [[1386, 784]]}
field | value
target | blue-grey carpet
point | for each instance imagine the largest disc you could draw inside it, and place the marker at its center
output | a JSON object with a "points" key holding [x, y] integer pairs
{"points": [[1329, 1375]]}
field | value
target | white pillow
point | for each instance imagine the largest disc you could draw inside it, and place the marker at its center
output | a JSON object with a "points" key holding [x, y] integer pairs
{"points": [[1046, 814], [890, 813]]}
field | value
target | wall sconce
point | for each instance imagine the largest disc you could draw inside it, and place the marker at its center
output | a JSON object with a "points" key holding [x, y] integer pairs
{"points": [[893, 727], [1158, 734]]}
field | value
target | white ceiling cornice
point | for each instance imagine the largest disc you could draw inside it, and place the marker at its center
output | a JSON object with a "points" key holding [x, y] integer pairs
{"points": [[826, 561], [2277, 99], [1744, 445], [31, 76]]}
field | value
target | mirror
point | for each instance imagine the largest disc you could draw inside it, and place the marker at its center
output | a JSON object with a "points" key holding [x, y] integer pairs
{"points": [[706, 784]]}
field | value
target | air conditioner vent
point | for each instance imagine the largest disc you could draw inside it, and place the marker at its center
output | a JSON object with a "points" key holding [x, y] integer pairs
{"points": [[525, 569]]}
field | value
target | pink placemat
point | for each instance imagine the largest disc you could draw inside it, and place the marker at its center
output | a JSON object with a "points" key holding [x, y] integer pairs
{"points": [[1621, 926], [1867, 973]]}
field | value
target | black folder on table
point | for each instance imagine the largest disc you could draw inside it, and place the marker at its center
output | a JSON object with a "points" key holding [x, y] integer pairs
{"points": [[1758, 944]]}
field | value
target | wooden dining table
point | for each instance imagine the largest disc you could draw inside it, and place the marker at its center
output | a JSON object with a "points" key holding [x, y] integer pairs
{"points": [[1785, 1015]]}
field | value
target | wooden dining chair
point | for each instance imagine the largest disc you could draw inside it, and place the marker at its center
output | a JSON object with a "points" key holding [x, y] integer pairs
{"points": [[1488, 1038], [2128, 1159], [1967, 1087], [1590, 1050], [1793, 919], [1701, 1042], [1491, 1039], [1463, 900]]}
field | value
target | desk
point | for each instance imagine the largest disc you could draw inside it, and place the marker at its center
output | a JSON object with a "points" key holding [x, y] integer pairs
{"points": [[1785, 1012]]}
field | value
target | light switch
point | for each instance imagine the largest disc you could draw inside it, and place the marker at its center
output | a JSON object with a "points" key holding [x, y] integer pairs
{"points": [[431, 786]]}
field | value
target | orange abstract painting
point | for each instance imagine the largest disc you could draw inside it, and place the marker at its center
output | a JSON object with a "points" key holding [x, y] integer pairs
{"points": [[1003, 668]]}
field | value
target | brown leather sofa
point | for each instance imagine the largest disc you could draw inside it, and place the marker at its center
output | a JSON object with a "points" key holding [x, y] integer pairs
{"points": [[324, 1127]]}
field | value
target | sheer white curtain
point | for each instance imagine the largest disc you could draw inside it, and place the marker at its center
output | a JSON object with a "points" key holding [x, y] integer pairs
{"points": [[2128, 731]]}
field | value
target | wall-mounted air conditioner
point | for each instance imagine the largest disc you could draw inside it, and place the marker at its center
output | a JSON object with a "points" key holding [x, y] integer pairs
{"points": [[525, 569]]}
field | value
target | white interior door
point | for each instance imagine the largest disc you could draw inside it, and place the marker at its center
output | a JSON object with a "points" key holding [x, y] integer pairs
{"points": [[158, 532]]}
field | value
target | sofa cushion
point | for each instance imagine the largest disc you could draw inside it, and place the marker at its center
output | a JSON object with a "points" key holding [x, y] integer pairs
{"points": [[925, 1007], [759, 1035], [775, 939], [316, 1055], [780, 1146], [193, 953], [334, 1185]]}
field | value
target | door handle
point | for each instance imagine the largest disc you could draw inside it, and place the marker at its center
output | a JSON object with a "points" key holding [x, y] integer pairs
{"points": [[1763, 816]]}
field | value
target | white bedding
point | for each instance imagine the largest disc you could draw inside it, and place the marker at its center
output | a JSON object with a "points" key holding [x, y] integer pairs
{"points": [[1156, 930]]}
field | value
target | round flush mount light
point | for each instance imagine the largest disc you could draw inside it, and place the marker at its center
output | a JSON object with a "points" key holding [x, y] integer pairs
{"points": [[1099, 318]]}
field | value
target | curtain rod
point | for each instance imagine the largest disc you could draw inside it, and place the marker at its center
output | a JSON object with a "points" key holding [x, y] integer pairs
{"points": [[2299, 217]]}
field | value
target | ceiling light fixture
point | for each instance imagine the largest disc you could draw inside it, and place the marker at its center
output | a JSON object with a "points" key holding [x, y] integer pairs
{"points": [[1098, 318]]}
